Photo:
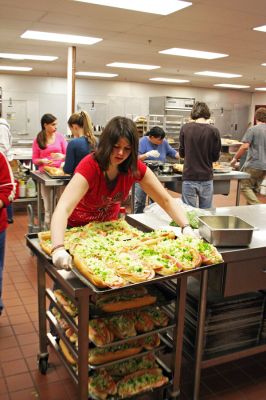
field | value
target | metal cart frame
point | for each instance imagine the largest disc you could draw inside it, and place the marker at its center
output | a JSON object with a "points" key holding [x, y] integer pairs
{"points": [[81, 293]]}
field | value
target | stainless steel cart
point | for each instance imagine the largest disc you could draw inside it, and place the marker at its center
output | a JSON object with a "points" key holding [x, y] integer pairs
{"points": [[80, 295], [41, 178]]}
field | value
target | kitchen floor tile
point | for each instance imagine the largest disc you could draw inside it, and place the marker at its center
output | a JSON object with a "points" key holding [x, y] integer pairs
{"points": [[14, 367], [19, 382]]}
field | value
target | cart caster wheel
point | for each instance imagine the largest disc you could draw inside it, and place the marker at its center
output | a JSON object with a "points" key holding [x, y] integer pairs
{"points": [[43, 365]]}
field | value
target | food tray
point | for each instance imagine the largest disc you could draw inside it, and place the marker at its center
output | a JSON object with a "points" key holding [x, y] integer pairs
{"points": [[166, 372], [66, 176], [157, 278], [163, 345], [163, 292], [224, 170], [33, 243], [225, 230]]}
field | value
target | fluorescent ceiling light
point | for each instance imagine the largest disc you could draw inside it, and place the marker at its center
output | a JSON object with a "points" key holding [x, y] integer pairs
{"points": [[7, 68], [59, 37], [176, 51], [260, 88], [155, 7], [228, 85], [13, 56], [133, 66], [100, 74], [264, 64], [217, 74], [170, 80], [261, 28]]}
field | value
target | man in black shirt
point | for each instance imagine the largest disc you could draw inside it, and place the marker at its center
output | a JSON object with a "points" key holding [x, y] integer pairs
{"points": [[200, 146]]}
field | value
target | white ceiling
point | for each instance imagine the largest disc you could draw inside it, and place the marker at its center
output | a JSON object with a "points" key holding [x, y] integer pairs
{"points": [[223, 26]]}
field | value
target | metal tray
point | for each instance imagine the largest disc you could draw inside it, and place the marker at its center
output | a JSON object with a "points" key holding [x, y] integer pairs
{"points": [[165, 295], [66, 176], [151, 393], [225, 230], [163, 346], [33, 243], [222, 170], [157, 278]]}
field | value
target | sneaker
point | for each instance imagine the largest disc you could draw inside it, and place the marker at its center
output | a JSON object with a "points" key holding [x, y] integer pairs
{"points": [[10, 221]]}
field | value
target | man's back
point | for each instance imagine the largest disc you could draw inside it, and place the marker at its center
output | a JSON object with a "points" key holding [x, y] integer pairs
{"points": [[200, 145], [256, 137]]}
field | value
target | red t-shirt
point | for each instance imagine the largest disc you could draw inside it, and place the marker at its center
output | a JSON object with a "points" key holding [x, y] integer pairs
{"points": [[101, 203]]}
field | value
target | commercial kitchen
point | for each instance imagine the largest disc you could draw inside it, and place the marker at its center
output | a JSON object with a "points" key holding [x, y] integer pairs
{"points": [[214, 344]]}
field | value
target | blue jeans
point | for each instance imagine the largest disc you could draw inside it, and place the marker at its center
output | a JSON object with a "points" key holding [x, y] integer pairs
{"points": [[9, 210], [2, 256], [197, 190], [140, 199]]}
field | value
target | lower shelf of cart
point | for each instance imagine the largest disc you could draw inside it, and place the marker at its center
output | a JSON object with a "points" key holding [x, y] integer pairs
{"points": [[164, 346], [73, 372], [55, 345], [73, 349]]}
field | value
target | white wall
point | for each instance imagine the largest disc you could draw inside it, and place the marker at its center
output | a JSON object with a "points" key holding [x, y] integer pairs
{"points": [[48, 95], [258, 98]]}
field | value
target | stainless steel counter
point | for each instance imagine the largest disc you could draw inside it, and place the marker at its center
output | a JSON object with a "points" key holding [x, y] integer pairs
{"points": [[41, 178], [221, 183]]}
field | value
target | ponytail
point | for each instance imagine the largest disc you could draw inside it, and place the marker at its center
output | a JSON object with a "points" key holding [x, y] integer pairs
{"points": [[88, 128], [41, 139], [83, 120]]}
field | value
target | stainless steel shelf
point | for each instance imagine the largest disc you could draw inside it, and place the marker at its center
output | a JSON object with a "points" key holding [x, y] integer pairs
{"points": [[25, 199]]}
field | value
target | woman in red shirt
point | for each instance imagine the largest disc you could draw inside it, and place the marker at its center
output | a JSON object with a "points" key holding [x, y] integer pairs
{"points": [[102, 181], [7, 194]]}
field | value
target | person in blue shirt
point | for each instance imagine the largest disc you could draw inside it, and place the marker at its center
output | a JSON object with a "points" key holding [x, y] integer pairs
{"points": [[152, 146], [84, 141]]}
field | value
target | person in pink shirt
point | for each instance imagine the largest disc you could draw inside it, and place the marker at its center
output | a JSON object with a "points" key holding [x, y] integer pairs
{"points": [[49, 148]]}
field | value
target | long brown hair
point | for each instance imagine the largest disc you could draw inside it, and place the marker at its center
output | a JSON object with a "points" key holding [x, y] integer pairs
{"points": [[41, 137], [83, 120], [116, 128]]}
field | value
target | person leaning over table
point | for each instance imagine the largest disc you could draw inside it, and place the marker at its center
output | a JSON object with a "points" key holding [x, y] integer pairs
{"points": [[200, 146], [7, 194], [84, 141], [102, 180], [48, 148], [254, 142], [153, 146]]}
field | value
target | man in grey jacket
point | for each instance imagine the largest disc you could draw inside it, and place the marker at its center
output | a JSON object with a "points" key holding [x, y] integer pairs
{"points": [[254, 142]]}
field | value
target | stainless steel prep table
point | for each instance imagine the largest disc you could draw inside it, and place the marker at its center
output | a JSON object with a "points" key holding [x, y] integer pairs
{"points": [[42, 178], [244, 271], [221, 183], [81, 295]]}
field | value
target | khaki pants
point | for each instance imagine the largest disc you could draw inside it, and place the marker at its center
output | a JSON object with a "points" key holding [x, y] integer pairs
{"points": [[46, 192], [252, 185]]}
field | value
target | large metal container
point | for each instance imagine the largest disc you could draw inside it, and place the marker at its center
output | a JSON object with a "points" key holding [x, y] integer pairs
{"points": [[225, 230]]}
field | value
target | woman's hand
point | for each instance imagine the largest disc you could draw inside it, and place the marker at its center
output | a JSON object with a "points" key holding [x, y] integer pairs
{"points": [[62, 259], [46, 161], [57, 156], [188, 231]]}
